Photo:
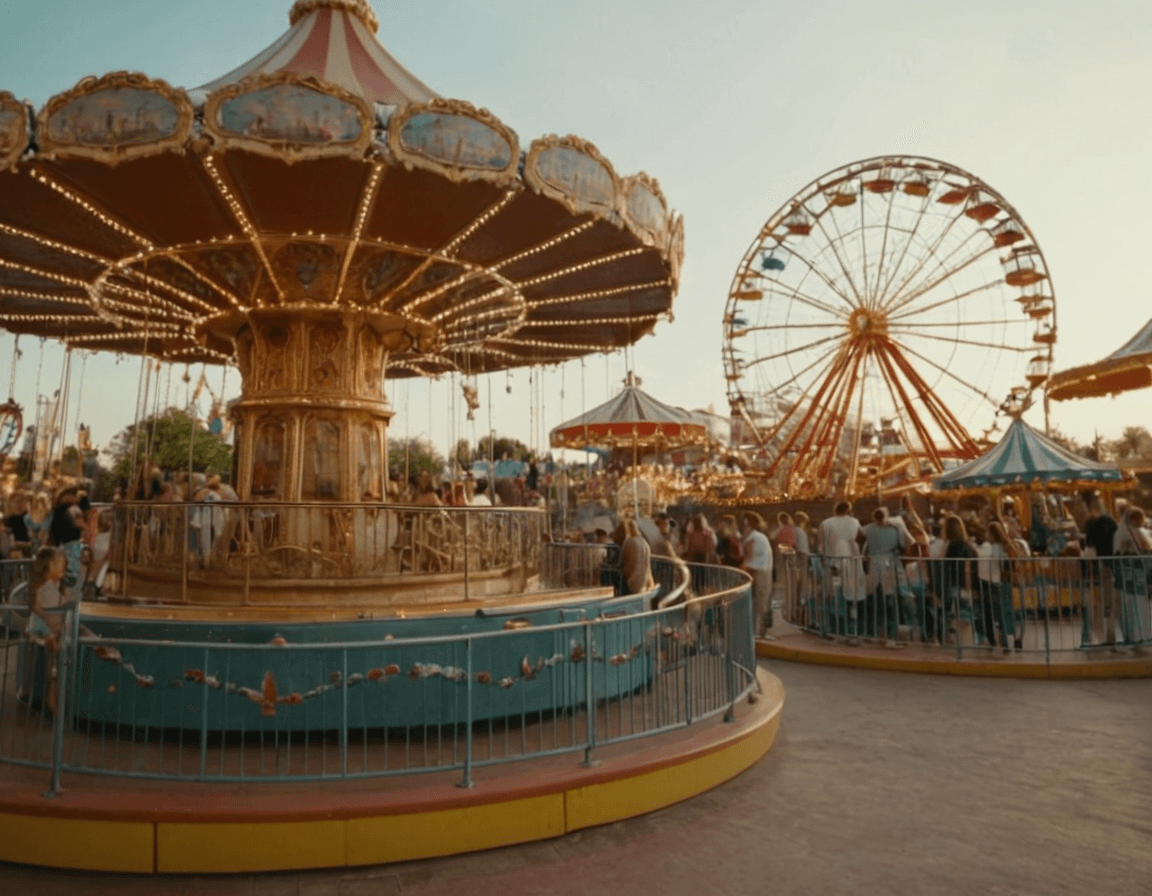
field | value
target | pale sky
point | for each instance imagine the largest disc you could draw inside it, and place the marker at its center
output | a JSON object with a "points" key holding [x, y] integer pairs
{"points": [[733, 107]]}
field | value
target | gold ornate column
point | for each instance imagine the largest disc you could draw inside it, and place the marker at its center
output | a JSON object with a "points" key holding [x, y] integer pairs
{"points": [[312, 419]]}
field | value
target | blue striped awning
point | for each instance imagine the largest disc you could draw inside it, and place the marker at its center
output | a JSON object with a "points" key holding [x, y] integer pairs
{"points": [[1023, 457]]}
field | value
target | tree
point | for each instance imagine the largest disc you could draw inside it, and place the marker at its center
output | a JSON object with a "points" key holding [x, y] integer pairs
{"points": [[413, 457], [462, 454], [514, 448], [164, 440], [1135, 443]]}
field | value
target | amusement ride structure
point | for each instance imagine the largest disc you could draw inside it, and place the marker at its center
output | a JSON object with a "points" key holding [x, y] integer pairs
{"points": [[324, 221], [877, 324]]}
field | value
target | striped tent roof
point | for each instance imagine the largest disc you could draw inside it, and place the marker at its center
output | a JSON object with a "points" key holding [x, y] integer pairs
{"points": [[1024, 457], [1129, 367], [632, 416], [335, 40]]}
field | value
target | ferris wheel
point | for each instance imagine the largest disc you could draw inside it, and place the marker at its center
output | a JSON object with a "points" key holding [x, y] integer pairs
{"points": [[879, 322]]}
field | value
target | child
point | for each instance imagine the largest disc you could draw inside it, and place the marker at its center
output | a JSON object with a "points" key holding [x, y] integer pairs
{"points": [[48, 568]]}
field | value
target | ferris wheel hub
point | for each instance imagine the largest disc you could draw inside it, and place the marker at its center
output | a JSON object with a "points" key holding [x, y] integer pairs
{"points": [[867, 322]]}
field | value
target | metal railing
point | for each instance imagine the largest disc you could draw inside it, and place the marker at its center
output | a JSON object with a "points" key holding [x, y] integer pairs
{"points": [[207, 544], [1042, 606], [484, 698]]}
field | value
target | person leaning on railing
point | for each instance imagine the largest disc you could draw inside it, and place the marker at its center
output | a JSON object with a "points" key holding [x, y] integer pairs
{"points": [[959, 575], [1131, 546], [993, 571], [1099, 538], [758, 564]]}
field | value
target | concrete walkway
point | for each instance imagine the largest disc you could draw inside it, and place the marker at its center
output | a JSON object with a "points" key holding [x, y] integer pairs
{"points": [[879, 783]]}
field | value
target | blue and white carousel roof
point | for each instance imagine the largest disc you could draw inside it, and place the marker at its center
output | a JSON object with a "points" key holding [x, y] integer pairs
{"points": [[1026, 457]]}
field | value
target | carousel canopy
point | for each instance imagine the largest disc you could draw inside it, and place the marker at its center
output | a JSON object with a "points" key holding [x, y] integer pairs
{"points": [[335, 42], [1129, 367], [631, 418], [1024, 457], [321, 176]]}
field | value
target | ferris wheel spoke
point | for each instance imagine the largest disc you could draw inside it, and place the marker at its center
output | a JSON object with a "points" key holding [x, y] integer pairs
{"points": [[908, 241], [792, 351], [940, 368], [952, 428], [834, 246], [945, 263], [813, 421], [839, 325], [906, 300], [927, 255], [824, 279], [903, 404], [957, 297], [998, 346], [875, 297], [999, 322], [805, 411], [813, 302], [780, 388], [838, 420]]}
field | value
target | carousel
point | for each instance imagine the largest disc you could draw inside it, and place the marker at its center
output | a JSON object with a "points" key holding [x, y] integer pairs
{"points": [[325, 222], [635, 430]]}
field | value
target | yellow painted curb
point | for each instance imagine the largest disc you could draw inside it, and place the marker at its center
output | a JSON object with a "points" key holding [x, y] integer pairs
{"points": [[83, 844], [1087, 670], [626, 797], [395, 838], [278, 845], [221, 847]]}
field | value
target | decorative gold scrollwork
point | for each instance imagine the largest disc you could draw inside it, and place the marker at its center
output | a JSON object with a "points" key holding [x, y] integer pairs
{"points": [[13, 130], [573, 172], [645, 209], [290, 116], [456, 140], [117, 117]]}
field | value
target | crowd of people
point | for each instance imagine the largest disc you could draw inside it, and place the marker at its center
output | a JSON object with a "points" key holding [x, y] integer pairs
{"points": [[867, 580]]}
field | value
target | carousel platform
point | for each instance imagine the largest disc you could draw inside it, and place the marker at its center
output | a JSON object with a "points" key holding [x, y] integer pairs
{"points": [[788, 642], [146, 826]]}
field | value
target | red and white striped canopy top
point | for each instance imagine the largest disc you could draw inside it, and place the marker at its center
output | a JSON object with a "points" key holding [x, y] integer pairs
{"points": [[335, 41]]}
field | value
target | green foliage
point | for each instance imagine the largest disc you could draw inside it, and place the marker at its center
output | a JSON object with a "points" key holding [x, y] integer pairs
{"points": [[169, 434], [514, 448], [462, 454], [415, 456], [1134, 444]]}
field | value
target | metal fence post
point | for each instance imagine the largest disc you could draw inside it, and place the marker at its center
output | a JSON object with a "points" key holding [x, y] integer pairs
{"points": [[466, 781], [64, 664], [204, 720], [589, 699], [344, 716], [467, 553]]}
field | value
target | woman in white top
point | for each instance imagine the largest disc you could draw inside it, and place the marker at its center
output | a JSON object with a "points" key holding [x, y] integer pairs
{"points": [[995, 600], [1131, 570]]}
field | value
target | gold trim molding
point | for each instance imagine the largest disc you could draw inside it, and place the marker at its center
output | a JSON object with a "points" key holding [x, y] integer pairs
{"points": [[282, 147], [359, 8], [13, 130], [131, 141], [650, 236], [574, 203], [462, 171]]}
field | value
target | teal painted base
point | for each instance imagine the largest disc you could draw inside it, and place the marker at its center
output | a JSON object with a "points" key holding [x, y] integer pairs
{"points": [[275, 684]]}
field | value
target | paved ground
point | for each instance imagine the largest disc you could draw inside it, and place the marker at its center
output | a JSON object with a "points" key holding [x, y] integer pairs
{"points": [[879, 783]]}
